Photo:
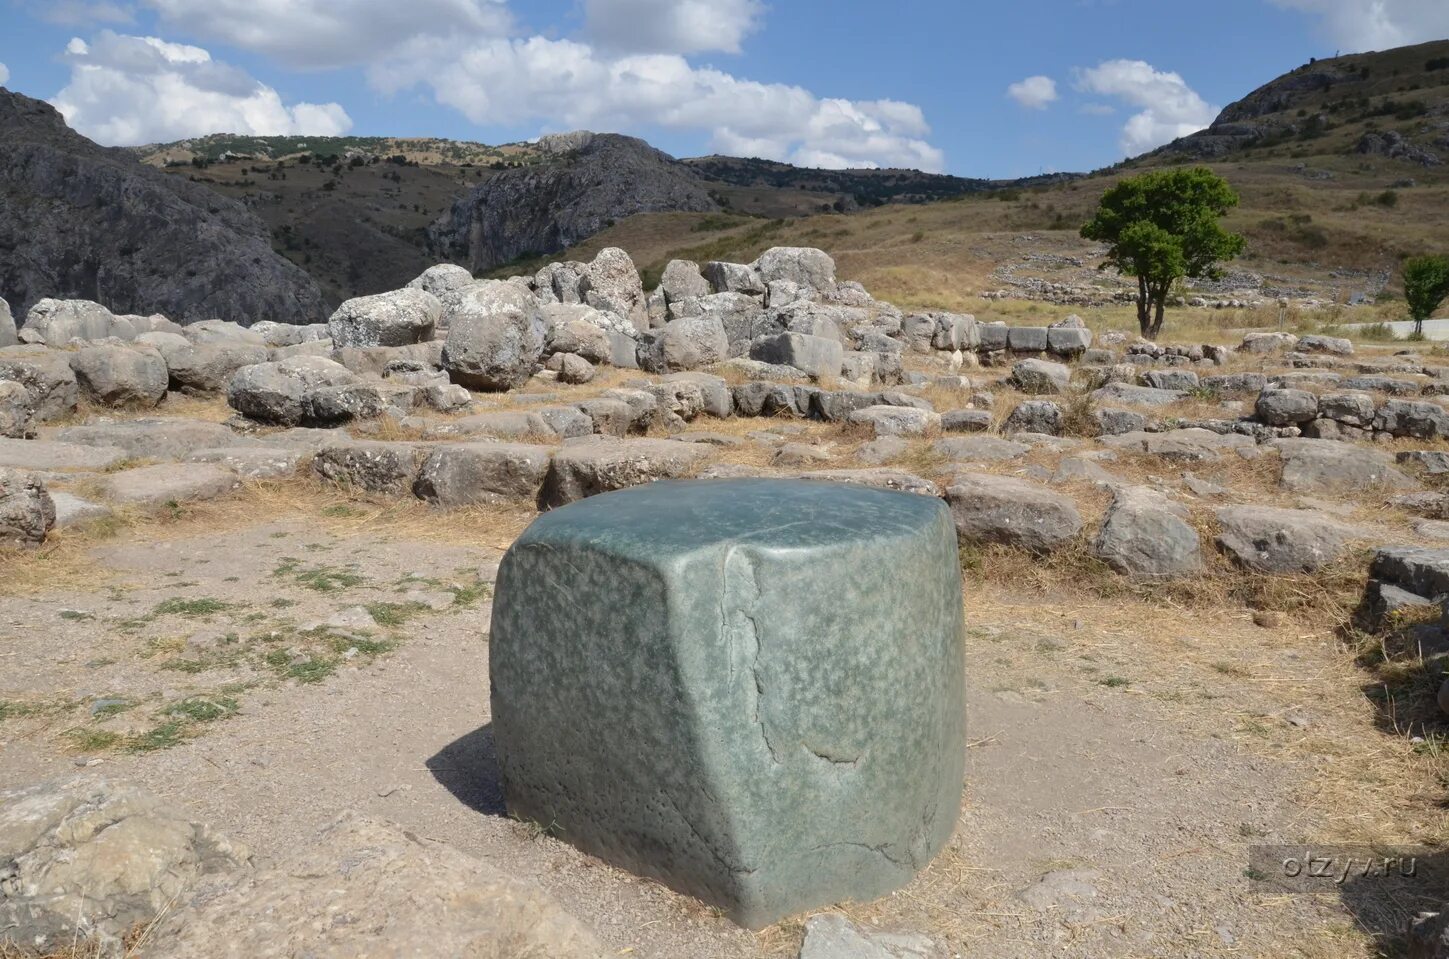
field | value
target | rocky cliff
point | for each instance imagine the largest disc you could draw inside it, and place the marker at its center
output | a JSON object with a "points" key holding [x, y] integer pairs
{"points": [[585, 184], [79, 220]]}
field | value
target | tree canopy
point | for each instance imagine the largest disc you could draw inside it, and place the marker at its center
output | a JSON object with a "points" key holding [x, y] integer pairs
{"points": [[1162, 226], [1426, 284]]}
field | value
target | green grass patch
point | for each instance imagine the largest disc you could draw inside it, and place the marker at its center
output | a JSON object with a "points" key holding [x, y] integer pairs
{"points": [[395, 614], [323, 579], [203, 709], [1115, 682], [74, 615], [92, 740], [163, 736], [204, 606]]}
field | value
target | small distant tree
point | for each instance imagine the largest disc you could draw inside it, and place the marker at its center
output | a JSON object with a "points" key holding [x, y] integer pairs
{"points": [[1426, 284], [1162, 226]]}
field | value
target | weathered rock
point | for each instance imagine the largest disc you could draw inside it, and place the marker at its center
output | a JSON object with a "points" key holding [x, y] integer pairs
{"points": [[602, 465], [1423, 572], [980, 449], [1432, 462], [832, 936], [277, 392], [571, 368], [8, 335], [734, 278], [1193, 445], [27, 514], [377, 467], [168, 483], [611, 283], [396, 318], [71, 510], [1128, 395], [1267, 342], [442, 279], [891, 479], [1325, 465], [50, 455], [1236, 384], [684, 345], [966, 421], [1431, 505], [48, 377], [252, 462], [372, 890], [1068, 340], [1027, 339], [681, 280], [473, 474], [1173, 379], [1016, 512], [157, 437], [816, 356], [1034, 416], [120, 375], [897, 420], [17, 410], [746, 600], [1314, 343], [1116, 422], [209, 367], [804, 266], [55, 323], [1272, 540], [1350, 409], [495, 336], [1145, 535], [1286, 407], [1040, 376], [572, 329], [1424, 421], [90, 859]]}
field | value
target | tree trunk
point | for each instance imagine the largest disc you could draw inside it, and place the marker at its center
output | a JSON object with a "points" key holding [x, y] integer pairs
{"points": [[1144, 306], [1157, 322]]}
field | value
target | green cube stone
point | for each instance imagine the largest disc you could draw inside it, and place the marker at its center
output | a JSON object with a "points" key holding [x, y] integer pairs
{"points": [[750, 690]]}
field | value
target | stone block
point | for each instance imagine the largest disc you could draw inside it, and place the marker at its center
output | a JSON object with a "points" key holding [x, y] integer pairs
{"points": [[700, 682]]}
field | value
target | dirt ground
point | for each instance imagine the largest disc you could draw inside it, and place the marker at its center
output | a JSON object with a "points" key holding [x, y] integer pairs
{"points": [[1124, 752]]}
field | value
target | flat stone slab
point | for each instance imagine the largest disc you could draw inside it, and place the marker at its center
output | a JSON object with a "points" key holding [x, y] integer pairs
{"points": [[72, 510], [169, 482], [253, 462], [702, 682], [154, 438], [53, 455]]}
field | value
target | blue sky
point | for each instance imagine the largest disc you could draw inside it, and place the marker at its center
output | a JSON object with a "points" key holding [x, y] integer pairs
{"points": [[961, 86]]}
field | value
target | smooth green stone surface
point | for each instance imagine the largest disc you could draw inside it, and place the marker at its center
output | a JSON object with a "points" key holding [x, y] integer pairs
{"points": [[752, 690]]}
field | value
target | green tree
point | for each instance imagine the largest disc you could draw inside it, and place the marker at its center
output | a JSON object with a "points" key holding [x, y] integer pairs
{"points": [[1426, 284], [1162, 226]]}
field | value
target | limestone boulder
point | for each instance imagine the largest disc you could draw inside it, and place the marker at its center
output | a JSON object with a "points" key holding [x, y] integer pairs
{"points": [[377, 467], [55, 323], [442, 279], [209, 367], [47, 375], [395, 318], [687, 344], [495, 337], [17, 411], [611, 283], [366, 889], [27, 514], [1269, 539], [601, 465], [474, 474], [89, 859], [1040, 376], [1311, 466], [277, 393], [1146, 536], [1011, 511], [120, 376]]}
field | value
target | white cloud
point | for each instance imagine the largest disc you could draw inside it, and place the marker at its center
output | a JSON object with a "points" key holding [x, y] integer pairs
{"points": [[1169, 107], [4, 74], [670, 26], [626, 70], [321, 34], [1034, 93], [1358, 25], [565, 84], [126, 90]]}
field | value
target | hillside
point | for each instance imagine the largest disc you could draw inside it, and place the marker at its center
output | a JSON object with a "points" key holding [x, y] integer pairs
{"points": [[1393, 104], [1329, 211], [80, 220]]}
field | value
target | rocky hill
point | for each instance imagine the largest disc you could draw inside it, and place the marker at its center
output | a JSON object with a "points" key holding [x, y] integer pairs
{"points": [[80, 220], [586, 183], [1393, 104]]}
